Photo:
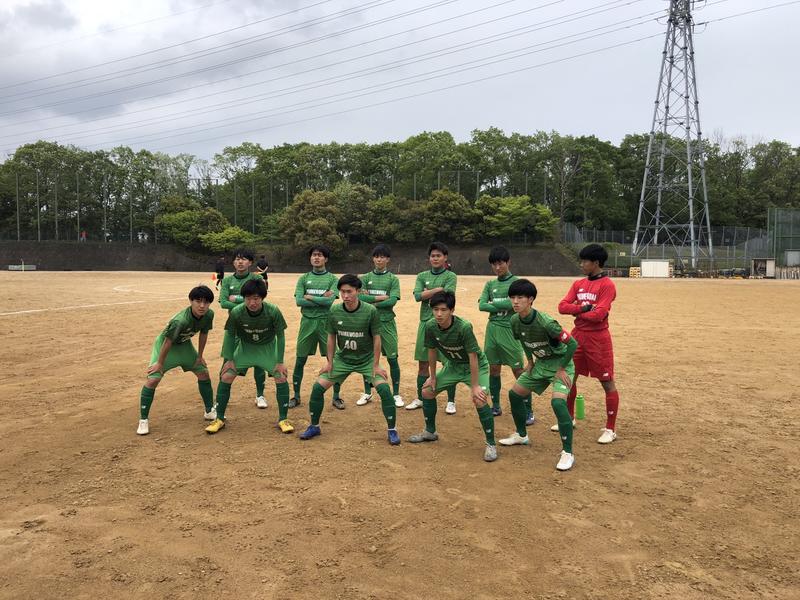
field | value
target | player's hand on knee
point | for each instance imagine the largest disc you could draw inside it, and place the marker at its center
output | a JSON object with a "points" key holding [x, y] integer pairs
{"points": [[563, 377], [280, 369], [200, 362], [478, 396], [154, 368], [378, 371], [327, 368]]}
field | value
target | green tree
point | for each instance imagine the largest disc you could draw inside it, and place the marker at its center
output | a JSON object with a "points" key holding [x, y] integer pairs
{"points": [[505, 216], [228, 239], [545, 223], [312, 218], [448, 215]]}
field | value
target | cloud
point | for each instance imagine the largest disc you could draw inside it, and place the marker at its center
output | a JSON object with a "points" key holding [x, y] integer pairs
{"points": [[52, 14]]}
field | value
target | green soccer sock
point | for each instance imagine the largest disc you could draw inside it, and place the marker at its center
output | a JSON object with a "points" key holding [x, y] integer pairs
{"points": [[494, 389], [223, 395], [394, 371], [451, 394], [260, 377], [336, 388], [518, 412], [429, 411], [206, 393], [316, 404], [421, 379], [367, 386], [564, 422], [282, 393], [487, 423], [529, 403], [146, 401], [297, 374], [387, 405]]}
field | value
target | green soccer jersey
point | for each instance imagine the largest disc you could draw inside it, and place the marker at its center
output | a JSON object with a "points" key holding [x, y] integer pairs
{"points": [[355, 331], [316, 284], [541, 336], [455, 342], [427, 280], [382, 284], [494, 300], [257, 329], [232, 286], [182, 327]]}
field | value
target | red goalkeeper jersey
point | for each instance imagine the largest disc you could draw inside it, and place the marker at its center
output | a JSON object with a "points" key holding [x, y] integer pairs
{"points": [[598, 291]]}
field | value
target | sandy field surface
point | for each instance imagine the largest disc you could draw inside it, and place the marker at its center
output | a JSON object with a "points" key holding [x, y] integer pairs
{"points": [[698, 498]]}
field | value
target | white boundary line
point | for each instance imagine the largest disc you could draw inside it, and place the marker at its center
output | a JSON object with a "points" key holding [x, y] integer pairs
{"points": [[39, 310]]}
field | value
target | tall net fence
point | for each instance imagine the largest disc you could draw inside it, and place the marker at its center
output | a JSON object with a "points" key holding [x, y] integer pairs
{"points": [[783, 238]]}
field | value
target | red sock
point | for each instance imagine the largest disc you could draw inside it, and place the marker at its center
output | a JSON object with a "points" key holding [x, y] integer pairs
{"points": [[571, 400], [612, 407]]}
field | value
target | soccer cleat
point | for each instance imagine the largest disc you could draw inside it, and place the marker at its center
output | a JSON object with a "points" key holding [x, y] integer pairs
{"points": [[310, 432], [425, 436], [294, 401], [261, 402], [285, 426], [363, 399], [450, 409], [414, 404], [394, 437], [490, 454], [497, 411], [144, 427], [215, 426], [338, 403], [398, 401], [515, 439], [530, 419], [574, 425], [566, 461], [210, 415], [607, 436]]}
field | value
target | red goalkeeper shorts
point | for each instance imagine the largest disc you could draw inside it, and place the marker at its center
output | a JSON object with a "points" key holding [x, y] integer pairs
{"points": [[595, 354]]}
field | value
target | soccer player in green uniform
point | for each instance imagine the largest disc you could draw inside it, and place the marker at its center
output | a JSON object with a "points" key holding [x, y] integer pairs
{"points": [[551, 347], [382, 290], [464, 362], [257, 328], [354, 346], [173, 348], [438, 279], [314, 294], [499, 345], [230, 297]]}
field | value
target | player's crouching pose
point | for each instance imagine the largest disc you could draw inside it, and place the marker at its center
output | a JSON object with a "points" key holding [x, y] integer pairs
{"points": [[464, 363], [544, 340], [257, 328], [173, 348], [354, 333]]}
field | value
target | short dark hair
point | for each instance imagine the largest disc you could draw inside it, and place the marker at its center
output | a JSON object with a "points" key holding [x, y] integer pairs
{"points": [[254, 287], [594, 253], [522, 287], [441, 247], [499, 254], [381, 250], [445, 297], [349, 279], [321, 248], [244, 253], [201, 292]]}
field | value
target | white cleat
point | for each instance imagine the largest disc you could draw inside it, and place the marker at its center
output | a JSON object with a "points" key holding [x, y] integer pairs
{"points": [[450, 409], [414, 404], [261, 402], [144, 427], [210, 415], [607, 436], [566, 461], [398, 401], [363, 399], [574, 425], [515, 439]]}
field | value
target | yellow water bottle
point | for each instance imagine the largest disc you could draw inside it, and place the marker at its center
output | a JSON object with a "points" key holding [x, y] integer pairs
{"points": [[580, 407]]}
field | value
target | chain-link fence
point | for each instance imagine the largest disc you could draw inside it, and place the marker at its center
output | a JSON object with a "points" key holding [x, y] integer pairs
{"points": [[783, 225]]}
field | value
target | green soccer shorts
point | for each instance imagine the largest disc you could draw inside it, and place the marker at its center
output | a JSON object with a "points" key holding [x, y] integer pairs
{"points": [[389, 339], [342, 369], [453, 373], [263, 356], [312, 334], [180, 355], [542, 375], [501, 348], [228, 345]]}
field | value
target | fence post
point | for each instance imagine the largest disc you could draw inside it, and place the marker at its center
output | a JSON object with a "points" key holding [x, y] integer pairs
{"points": [[130, 215], [38, 211], [18, 233], [78, 201], [253, 201]]}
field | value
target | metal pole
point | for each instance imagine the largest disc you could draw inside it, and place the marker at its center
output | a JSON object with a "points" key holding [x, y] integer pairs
{"points": [[78, 201], [130, 214], [105, 209], [235, 213], [18, 233], [56, 211], [253, 202], [38, 211]]}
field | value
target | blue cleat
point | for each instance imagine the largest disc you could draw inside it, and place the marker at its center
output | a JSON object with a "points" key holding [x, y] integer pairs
{"points": [[394, 437], [310, 432], [529, 420], [496, 411]]}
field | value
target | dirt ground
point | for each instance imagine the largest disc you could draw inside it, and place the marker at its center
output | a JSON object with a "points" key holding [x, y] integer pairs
{"points": [[698, 498]]}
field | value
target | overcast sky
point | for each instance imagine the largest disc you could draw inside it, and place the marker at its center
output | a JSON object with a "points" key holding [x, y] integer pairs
{"points": [[198, 75]]}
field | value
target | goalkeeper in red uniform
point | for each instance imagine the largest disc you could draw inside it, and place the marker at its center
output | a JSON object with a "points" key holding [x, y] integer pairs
{"points": [[589, 301]]}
